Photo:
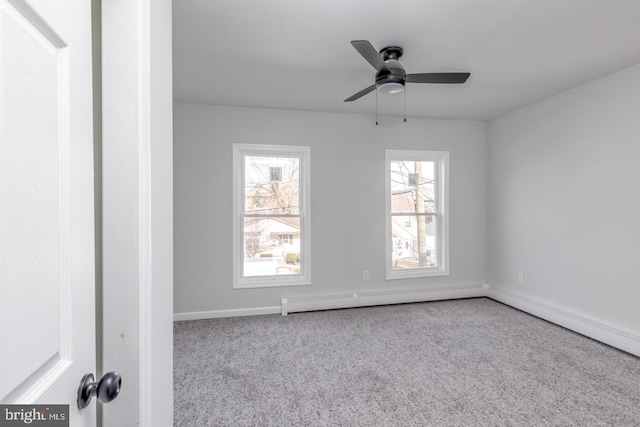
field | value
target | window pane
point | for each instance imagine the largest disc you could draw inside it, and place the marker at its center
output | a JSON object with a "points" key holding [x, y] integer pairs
{"points": [[271, 185], [271, 246], [412, 186], [414, 246]]}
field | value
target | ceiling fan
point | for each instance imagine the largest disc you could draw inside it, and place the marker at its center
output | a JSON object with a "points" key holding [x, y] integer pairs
{"points": [[390, 74]]}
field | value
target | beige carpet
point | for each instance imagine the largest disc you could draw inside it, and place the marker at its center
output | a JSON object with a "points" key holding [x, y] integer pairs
{"points": [[449, 363]]}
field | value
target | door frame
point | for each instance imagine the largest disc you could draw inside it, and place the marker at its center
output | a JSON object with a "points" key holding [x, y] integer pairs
{"points": [[137, 208]]}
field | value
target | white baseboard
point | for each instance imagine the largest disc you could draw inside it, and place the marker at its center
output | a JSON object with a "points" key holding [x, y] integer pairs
{"points": [[370, 298], [611, 335], [605, 333], [237, 312]]}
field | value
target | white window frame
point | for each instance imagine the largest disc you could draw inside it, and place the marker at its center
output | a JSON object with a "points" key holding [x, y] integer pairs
{"points": [[240, 151], [441, 196]]}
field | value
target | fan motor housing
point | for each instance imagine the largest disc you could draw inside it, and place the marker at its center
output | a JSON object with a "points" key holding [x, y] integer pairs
{"points": [[396, 73]]}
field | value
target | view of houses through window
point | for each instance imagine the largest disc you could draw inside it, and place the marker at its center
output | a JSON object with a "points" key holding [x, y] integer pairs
{"points": [[271, 217]]}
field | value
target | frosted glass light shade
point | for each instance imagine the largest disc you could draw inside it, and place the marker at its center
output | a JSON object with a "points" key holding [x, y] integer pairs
{"points": [[391, 87]]}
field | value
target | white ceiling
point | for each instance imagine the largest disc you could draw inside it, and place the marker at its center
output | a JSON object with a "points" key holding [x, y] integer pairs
{"points": [[296, 54]]}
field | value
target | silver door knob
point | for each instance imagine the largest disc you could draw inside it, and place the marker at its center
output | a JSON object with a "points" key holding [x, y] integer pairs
{"points": [[107, 389]]}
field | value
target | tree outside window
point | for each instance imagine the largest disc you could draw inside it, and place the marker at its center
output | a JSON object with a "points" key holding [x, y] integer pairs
{"points": [[416, 213]]}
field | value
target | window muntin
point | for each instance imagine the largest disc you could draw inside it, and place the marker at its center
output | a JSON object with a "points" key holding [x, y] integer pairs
{"points": [[417, 223], [271, 216]]}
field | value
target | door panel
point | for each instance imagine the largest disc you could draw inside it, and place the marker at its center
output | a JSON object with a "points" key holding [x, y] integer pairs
{"points": [[47, 339], [30, 215]]}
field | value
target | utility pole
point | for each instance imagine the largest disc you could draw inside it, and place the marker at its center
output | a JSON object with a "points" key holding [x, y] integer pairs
{"points": [[421, 219]]}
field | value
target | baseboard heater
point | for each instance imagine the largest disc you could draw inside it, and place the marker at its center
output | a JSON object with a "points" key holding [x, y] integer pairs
{"points": [[371, 298]]}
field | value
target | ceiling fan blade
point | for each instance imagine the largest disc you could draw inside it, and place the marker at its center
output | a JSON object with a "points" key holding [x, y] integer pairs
{"points": [[437, 78], [370, 53], [360, 94]]}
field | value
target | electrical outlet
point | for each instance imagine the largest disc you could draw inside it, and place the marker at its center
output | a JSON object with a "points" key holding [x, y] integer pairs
{"points": [[520, 279], [365, 275]]}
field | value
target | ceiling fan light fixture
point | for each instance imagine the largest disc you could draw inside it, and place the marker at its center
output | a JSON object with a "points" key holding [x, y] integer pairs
{"points": [[390, 87], [390, 74]]}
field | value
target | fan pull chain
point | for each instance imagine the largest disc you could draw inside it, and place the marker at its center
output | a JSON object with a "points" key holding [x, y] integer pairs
{"points": [[376, 106], [405, 104]]}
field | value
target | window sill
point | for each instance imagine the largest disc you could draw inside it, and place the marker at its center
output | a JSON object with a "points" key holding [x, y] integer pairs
{"points": [[269, 282], [415, 273]]}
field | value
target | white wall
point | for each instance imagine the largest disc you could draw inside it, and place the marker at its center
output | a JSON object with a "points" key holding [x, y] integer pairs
{"points": [[347, 180], [564, 200]]}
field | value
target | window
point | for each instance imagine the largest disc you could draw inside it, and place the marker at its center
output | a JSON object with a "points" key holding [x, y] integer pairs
{"points": [[417, 213], [271, 224], [286, 238]]}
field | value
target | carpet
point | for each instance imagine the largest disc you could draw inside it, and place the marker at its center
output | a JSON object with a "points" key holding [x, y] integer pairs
{"points": [[472, 362]]}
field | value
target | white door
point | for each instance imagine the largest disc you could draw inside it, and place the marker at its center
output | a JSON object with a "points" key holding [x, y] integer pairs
{"points": [[47, 324]]}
